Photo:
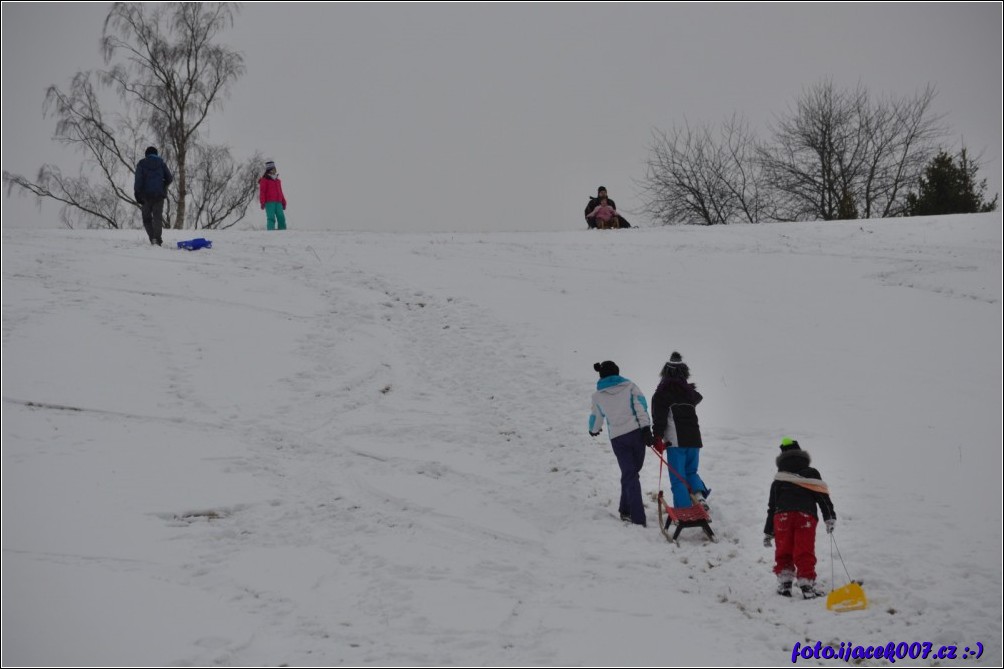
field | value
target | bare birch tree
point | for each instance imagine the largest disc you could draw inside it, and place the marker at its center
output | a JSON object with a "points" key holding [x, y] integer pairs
{"points": [[101, 195], [168, 75], [221, 189]]}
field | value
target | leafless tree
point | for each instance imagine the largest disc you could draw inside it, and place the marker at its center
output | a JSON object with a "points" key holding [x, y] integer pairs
{"points": [[903, 136], [739, 171], [173, 69], [168, 75], [221, 190], [106, 144], [815, 152], [675, 183], [838, 152], [692, 177]]}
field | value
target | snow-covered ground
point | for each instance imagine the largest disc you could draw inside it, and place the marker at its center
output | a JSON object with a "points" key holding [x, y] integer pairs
{"points": [[371, 449]]}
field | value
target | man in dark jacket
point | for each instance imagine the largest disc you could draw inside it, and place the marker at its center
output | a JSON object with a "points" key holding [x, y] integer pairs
{"points": [[150, 191], [791, 519], [601, 193]]}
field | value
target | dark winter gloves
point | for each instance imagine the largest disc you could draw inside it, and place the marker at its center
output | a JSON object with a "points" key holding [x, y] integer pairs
{"points": [[646, 436], [768, 540], [830, 524], [659, 445], [594, 434]]}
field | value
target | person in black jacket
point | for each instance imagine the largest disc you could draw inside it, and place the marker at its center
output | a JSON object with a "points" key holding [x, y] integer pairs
{"points": [[791, 519], [150, 191], [678, 433]]}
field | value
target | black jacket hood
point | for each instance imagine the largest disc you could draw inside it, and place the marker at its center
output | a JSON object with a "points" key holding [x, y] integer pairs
{"points": [[793, 461]]}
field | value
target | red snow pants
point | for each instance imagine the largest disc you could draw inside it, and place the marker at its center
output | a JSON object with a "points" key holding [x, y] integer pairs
{"points": [[795, 544]]}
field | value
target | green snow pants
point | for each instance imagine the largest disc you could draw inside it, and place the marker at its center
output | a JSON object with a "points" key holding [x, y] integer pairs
{"points": [[273, 212]]}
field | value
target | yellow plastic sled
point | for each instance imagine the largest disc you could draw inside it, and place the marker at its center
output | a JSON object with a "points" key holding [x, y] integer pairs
{"points": [[851, 597]]}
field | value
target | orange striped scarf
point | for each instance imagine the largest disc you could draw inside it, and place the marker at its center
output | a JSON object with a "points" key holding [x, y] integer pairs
{"points": [[816, 485]]}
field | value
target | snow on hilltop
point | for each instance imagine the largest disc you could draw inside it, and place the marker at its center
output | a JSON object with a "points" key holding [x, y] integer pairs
{"points": [[371, 449]]}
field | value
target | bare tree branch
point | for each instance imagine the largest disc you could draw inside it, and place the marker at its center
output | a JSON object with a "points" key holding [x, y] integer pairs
{"points": [[694, 178], [95, 207], [223, 189]]}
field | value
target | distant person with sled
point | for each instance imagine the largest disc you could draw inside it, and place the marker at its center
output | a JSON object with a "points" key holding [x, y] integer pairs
{"points": [[621, 404], [150, 191], [271, 197], [601, 212], [678, 433], [791, 519]]}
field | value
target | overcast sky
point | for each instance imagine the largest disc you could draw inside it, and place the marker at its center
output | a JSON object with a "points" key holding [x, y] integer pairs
{"points": [[508, 116]]}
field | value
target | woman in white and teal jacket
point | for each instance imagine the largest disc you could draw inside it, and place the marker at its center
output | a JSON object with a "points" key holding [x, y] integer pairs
{"points": [[621, 403]]}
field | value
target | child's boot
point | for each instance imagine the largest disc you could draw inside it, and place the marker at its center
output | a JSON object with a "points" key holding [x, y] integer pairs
{"points": [[784, 585], [809, 589]]}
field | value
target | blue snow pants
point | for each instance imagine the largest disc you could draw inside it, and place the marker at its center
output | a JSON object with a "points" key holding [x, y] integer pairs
{"points": [[685, 462]]}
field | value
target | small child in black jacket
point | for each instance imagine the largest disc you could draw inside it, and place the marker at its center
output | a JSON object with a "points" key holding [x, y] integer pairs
{"points": [[678, 432], [791, 519]]}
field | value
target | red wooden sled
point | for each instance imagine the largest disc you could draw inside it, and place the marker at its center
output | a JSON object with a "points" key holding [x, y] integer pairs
{"points": [[691, 516]]}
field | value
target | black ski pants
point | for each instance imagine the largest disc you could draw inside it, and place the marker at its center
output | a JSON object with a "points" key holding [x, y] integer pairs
{"points": [[153, 218]]}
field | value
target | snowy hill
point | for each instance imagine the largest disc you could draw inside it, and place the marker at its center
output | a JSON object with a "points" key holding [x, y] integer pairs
{"points": [[351, 448]]}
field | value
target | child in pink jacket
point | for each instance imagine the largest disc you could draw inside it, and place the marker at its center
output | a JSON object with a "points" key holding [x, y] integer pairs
{"points": [[605, 214], [272, 199]]}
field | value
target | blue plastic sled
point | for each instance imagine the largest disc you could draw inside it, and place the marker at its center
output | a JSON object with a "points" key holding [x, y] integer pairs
{"points": [[195, 244]]}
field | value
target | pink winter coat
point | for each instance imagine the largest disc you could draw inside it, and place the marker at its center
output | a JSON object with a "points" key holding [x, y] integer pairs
{"points": [[270, 190], [604, 212]]}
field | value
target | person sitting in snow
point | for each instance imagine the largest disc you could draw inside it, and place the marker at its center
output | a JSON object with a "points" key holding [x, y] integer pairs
{"points": [[604, 215], [678, 433], [791, 519], [618, 401], [601, 212]]}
